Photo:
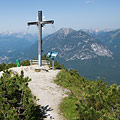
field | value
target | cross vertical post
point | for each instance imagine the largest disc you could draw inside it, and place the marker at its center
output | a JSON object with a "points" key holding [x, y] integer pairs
{"points": [[40, 38], [40, 24]]}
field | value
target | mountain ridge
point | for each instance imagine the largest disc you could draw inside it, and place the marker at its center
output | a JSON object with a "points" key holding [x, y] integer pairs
{"points": [[80, 50], [80, 39]]}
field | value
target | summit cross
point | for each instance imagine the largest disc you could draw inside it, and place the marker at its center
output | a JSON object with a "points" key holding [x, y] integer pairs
{"points": [[40, 24]]}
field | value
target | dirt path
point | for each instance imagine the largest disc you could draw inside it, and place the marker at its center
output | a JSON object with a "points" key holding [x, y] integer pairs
{"points": [[44, 88]]}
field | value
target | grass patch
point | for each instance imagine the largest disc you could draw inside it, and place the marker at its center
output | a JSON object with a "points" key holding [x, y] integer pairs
{"points": [[68, 108]]}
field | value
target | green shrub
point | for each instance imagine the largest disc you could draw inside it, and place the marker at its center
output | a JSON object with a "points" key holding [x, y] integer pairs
{"points": [[10, 65], [2, 66], [25, 63], [58, 65], [44, 57], [90, 100], [16, 100]]}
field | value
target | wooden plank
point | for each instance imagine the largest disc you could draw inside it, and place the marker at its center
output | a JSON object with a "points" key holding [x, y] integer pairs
{"points": [[32, 23]]}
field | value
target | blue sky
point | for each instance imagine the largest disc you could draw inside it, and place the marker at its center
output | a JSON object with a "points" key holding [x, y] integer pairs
{"points": [[76, 14]]}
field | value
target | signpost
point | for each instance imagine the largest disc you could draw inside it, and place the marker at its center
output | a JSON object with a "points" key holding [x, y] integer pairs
{"points": [[52, 55], [40, 24]]}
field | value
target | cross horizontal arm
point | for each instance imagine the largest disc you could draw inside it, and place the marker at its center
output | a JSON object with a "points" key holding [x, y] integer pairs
{"points": [[32, 23], [47, 22]]}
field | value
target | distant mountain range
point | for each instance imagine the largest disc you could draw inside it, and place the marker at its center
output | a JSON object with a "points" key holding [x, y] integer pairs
{"points": [[14, 43], [94, 54]]}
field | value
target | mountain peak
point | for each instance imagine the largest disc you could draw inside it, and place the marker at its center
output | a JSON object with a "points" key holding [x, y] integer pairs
{"points": [[66, 31]]}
